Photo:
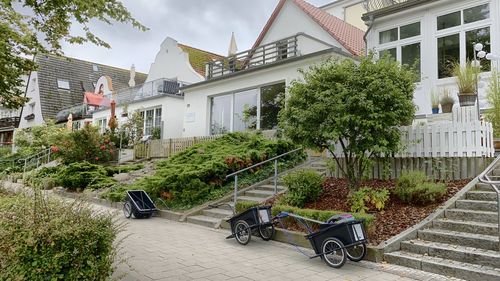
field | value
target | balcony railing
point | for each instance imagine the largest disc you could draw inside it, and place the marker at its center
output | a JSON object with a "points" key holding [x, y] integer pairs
{"points": [[374, 5], [80, 111], [149, 89], [265, 54], [9, 122]]}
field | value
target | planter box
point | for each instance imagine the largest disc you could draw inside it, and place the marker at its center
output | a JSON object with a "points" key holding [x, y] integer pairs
{"points": [[467, 100], [447, 108], [496, 143]]}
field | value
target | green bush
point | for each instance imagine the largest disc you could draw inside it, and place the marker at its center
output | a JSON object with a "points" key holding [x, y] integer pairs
{"points": [[82, 175], [320, 215], [303, 186], [199, 173], [410, 179], [123, 168], [86, 144], [368, 199], [423, 193], [50, 240]]}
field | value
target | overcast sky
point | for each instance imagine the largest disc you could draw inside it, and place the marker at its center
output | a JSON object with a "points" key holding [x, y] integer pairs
{"points": [[204, 24]]}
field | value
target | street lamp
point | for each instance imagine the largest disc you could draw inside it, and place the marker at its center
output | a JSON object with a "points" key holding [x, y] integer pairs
{"points": [[479, 53]]}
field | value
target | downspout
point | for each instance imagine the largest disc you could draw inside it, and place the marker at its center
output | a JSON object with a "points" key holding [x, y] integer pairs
{"points": [[372, 21]]}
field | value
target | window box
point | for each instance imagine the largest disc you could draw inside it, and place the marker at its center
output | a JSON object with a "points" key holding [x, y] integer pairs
{"points": [[29, 116]]}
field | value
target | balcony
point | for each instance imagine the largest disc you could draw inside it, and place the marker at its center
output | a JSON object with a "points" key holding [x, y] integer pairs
{"points": [[147, 90], [257, 57], [80, 111], [9, 122]]}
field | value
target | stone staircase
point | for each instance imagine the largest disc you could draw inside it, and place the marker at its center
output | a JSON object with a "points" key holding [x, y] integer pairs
{"points": [[214, 216], [463, 243]]}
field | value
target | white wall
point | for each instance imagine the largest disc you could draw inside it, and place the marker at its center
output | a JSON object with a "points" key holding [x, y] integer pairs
{"points": [[172, 62], [427, 15], [172, 113], [197, 98], [349, 11], [292, 20], [33, 93]]}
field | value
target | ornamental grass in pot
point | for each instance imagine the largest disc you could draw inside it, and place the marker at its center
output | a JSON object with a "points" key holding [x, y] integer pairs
{"points": [[434, 102], [446, 101], [466, 81], [493, 113]]}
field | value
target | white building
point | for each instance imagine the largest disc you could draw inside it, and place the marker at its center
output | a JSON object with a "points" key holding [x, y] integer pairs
{"points": [[435, 32], [241, 90], [159, 100], [349, 11]]}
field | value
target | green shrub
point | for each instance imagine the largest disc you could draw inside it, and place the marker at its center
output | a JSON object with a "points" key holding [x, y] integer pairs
{"points": [[410, 179], [303, 186], [123, 168], [51, 240], [423, 193], [320, 215], [199, 173], [368, 199], [82, 175], [86, 144]]}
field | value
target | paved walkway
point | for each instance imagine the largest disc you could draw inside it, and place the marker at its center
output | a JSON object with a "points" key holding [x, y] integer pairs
{"points": [[158, 249]]}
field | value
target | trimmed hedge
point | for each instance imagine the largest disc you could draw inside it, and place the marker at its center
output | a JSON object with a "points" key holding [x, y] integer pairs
{"points": [[303, 186], [83, 175], [49, 240]]}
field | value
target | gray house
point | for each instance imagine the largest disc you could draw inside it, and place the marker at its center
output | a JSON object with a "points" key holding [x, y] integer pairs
{"points": [[61, 82]]}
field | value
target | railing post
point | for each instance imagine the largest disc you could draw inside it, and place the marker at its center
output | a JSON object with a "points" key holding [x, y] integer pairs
{"points": [[235, 193], [275, 176], [498, 210], [48, 157]]}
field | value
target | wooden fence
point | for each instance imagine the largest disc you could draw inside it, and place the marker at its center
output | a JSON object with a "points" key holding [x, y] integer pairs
{"points": [[444, 168], [167, 147]]}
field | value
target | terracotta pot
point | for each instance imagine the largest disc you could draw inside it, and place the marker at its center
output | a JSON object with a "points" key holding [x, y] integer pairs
{"points": [[467, 99], [447, 107], [496, 144]]}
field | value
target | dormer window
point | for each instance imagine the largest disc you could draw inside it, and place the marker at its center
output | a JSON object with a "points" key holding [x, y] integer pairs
{"points": [[62, 84], [95, 67]]}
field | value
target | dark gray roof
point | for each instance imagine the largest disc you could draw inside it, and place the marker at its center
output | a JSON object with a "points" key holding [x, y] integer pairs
{"points": [[80, 74]]}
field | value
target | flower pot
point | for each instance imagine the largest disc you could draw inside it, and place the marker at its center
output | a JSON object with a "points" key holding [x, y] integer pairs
{"points": [[467, 99], [435, 110], [447, 107], [496, 144]]}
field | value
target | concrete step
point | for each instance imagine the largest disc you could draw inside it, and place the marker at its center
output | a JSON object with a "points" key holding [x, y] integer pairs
{"points": [[478, 205], [318, 164], [483, 187], [444, 267], [475, 240], [466, 226], [453, 252], [250, 198], [218, 213], [259, 193], [204, 221], [270, 187], [471, 215], [481, 195]]}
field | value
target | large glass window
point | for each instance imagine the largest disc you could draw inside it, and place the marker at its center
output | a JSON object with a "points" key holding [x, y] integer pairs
{"points": [[149, 121], [270, 105], [448, 53], [449, 20], [388, 36], [478, 13], [410, 55], [481, 35], [245, 110], [158, 117], [388, 52], [220, 121], [409, 30]]}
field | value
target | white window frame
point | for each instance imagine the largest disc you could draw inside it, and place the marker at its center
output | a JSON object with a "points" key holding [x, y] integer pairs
{"points": [[63, 84], [461, 30], [154, 118]]}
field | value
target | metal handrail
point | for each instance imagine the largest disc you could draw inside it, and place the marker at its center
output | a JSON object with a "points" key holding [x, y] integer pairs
{"points": [[275, 159], [485, 178]]}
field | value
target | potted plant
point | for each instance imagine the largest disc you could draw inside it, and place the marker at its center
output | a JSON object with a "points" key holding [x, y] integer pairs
{"points": [[493, 114], [446, 101], [466, 81], [434, 102]]}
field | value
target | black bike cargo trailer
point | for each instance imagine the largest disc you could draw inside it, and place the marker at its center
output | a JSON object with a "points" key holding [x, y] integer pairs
{"points": [[139, 204], [256, 221]]}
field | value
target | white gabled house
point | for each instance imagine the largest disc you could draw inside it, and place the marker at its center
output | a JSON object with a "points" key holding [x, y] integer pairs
{"points": [[241, 90], [435, 32]]}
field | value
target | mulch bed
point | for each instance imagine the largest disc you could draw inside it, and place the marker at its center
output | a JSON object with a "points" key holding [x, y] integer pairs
{"points": [[396, 216]]}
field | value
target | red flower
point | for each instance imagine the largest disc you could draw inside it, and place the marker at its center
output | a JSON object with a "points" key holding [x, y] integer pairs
{"points": [[54, 149], [97, 159], [103, 147]]}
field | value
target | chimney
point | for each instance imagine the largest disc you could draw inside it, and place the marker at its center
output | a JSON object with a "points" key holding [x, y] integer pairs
{"points": [[131, 82]]}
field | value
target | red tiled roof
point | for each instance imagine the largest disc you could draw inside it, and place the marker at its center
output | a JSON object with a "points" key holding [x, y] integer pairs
{"points": [[349, 36], [95, 99]]}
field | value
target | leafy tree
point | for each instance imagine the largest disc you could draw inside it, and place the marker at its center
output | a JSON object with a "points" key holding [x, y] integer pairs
{"points": [[28, 27], [357, 106]]}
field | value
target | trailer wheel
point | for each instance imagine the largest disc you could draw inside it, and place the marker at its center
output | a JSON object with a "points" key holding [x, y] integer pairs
{"points": [[127, 210], [333, 252], [242, 232], [266, 232], [356, 253]]}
